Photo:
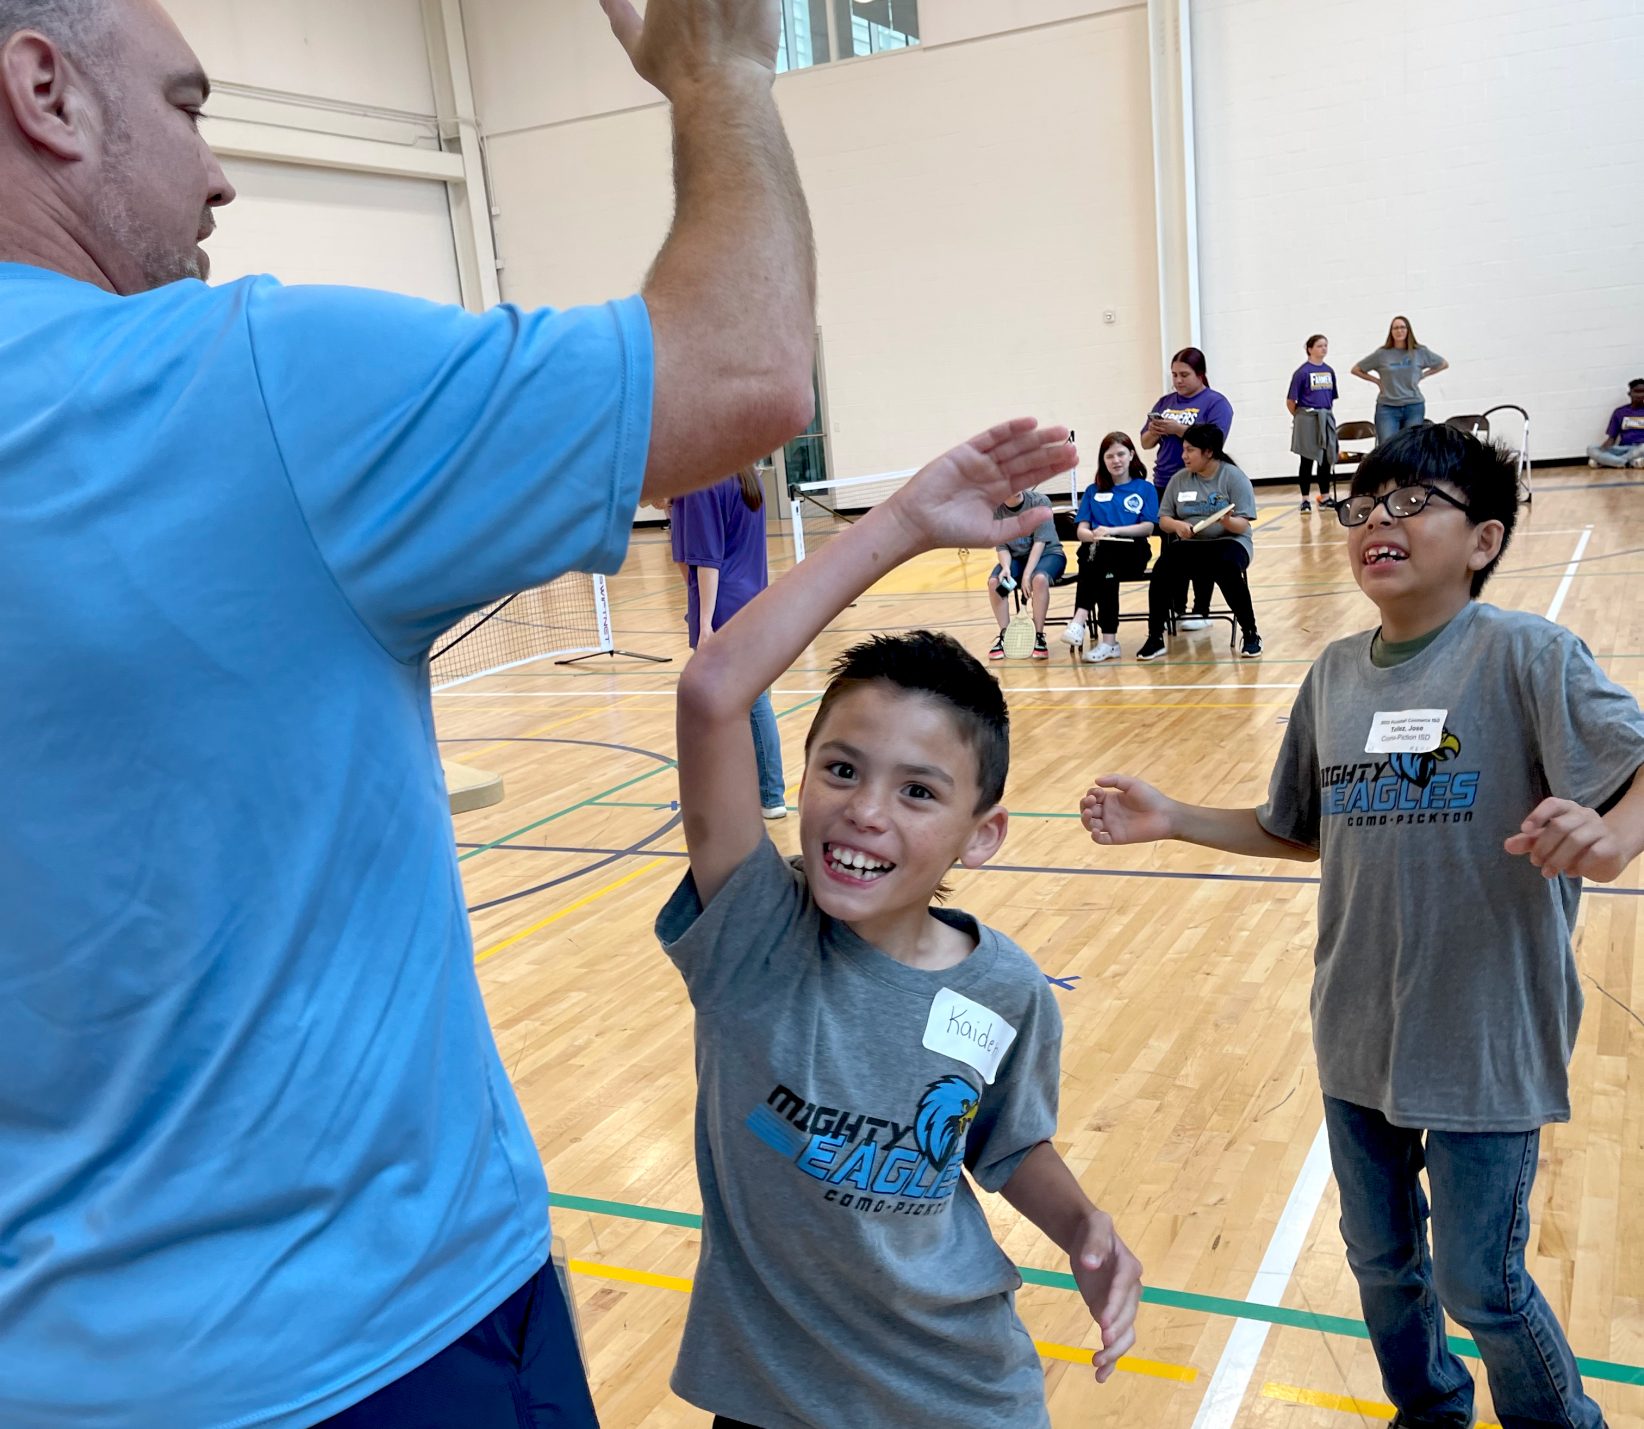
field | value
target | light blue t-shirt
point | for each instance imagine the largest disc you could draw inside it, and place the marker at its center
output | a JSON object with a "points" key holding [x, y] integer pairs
{"points": [[258, 1156]]}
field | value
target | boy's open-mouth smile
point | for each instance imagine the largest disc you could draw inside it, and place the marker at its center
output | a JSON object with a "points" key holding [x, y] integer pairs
{"points": [[1381, 553], [854, 865]]}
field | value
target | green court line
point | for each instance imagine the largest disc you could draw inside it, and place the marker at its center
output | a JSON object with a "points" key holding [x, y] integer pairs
{"points": [[596, 798], [1216, 1305]]}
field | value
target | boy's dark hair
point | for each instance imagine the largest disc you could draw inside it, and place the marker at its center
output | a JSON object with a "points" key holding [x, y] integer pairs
{"points": [[1636, 382], [1484, 474], [928, 663]]}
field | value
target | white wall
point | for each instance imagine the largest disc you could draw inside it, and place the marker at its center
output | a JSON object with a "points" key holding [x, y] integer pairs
{"points": [[1473, 164], [977, 205]]}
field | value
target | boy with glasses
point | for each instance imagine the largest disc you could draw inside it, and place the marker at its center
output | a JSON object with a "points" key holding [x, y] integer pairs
{"points": [[1459, 771]]}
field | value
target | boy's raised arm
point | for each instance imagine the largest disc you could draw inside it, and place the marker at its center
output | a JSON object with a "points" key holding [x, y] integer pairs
{"points": [[947, 503]]}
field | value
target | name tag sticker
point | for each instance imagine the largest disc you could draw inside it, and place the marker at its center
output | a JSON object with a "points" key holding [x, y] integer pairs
{"points": [[968, 1032], [1406, 731], [1104, 496], [1187, 493]]}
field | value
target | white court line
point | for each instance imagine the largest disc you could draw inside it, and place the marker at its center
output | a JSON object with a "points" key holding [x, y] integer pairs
{"points": [[1226, 1391], [1008, 689], [1237, 1367], [1569, 574]]}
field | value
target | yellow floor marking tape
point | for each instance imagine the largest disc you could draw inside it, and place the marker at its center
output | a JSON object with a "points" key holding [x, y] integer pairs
{"points": [[569, 908], [1182, 1374], [1366, 1408]]}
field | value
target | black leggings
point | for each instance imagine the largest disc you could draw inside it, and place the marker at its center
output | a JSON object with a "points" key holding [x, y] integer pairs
{"points": [[1102, 565], [1304, 475], [1221, 560]]}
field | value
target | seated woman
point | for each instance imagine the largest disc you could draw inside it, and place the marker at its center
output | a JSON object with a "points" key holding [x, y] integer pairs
{"points": [[1208, 482], [1115, 519]]}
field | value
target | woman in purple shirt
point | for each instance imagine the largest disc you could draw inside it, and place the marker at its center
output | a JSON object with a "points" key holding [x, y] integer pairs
{"points": [[1312, 402], [719, 535]]}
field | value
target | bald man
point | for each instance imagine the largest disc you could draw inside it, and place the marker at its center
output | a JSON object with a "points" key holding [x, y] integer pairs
{"points": [[259, 1162]]}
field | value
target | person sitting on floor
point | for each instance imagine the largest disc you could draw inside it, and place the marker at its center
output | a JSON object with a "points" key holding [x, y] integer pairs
{"points": [[1623, 443]]}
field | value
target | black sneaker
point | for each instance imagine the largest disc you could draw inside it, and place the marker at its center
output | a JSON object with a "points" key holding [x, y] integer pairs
{"points": [[1040, 650], [996, 651], [1152, 648], [1252, 647], [1306, 507]]}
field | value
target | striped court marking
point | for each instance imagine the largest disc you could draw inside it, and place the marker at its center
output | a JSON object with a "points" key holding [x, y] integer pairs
{"points": [[1364, 1408], [1073, 1354], [569, 908], [1188, 1300]]}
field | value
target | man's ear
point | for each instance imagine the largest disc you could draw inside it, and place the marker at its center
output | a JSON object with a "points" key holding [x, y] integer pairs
{"points": [[986, 838], [45, 95]]}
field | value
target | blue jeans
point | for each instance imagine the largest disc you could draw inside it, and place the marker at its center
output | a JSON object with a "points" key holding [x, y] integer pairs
{"points": [[1481, 1221], [1616, 456], [767, 752], [1390, 421]]}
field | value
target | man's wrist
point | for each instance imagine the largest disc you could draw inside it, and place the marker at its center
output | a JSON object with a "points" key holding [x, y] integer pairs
{"points": [[714, 86]]}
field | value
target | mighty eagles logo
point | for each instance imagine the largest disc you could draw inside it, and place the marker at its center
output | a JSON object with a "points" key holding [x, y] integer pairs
{"points": [[875, 1165], [1397, 789]]}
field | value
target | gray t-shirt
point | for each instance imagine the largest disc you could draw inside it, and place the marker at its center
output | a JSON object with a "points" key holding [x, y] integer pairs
{"points": [[1400, 371], [1045, 531], [847, 1273], [1445, 990], [1191, 498]]}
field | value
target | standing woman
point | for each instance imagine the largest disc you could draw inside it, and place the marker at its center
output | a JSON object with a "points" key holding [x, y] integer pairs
{"points": [[1190, 402], [1399, 365], [1116, 517], [721, 540], [1312, 402]]}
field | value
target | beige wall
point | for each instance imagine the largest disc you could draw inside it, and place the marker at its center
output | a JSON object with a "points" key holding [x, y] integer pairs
{"points": [[977, 207], [360, 52]]}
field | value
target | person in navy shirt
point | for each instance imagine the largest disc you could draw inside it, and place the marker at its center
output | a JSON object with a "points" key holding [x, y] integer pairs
{"points": [[261, 1162], [719, 536], [1311, 401], [1116, 516], [1623, 443]]}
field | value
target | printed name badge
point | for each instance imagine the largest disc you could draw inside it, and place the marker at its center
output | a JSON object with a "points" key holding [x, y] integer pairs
{"points": [[1406, 731], [968, 1032]]}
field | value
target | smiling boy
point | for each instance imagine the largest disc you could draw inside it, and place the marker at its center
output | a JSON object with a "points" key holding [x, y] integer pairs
{"points": [[857, 1049], [1459, 770]]}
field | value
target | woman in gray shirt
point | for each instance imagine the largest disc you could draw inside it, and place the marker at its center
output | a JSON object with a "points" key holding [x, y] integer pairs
{"points": [[1399, 364]]}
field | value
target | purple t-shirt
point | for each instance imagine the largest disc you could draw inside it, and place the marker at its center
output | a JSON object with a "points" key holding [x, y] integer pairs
{"points": [[1627, 426], [1313, 384], [1204, 406], [715, 528]]}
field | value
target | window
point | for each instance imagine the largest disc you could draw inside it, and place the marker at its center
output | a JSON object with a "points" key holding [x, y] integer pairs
{"points": [[815, 31]]}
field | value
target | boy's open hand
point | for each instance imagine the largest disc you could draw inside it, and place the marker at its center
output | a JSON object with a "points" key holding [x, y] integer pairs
{"points": [[1110, 1279], [950, 502], [1564, 837], [1121, 810]]}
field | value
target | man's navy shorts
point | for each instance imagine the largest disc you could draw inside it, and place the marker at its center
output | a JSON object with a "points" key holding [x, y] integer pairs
{"points": [[518, 1368]]}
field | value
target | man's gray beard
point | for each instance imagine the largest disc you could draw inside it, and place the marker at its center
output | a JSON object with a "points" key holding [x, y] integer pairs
{"points": [[157, 264]]}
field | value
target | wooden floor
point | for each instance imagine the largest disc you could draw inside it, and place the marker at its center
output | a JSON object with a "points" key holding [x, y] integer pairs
{"points": [[1190, 1103]]}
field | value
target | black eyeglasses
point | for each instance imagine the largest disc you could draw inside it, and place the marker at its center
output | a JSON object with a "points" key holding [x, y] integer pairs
{"points": [[1400, 502]]}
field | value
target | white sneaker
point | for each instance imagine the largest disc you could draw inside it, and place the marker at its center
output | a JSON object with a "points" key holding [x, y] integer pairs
{"points": [[1592, 462], [1196, 622], [775, 811], [1636, 463], [1103, 650], [1075, 634]]}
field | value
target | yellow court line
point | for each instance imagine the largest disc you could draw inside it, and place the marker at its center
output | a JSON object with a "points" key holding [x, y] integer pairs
{"points": [[1183, 1374], [1366, 1408], [582, 902]]}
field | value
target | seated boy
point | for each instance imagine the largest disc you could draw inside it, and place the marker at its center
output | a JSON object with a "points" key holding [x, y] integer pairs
{"points": [[1623, 443], [858, 1050], [1459, 770]]}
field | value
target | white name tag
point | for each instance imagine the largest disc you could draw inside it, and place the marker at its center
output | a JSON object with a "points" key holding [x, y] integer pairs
{"points": [[1406, 731], [1187, 493], [968, 1032]]}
